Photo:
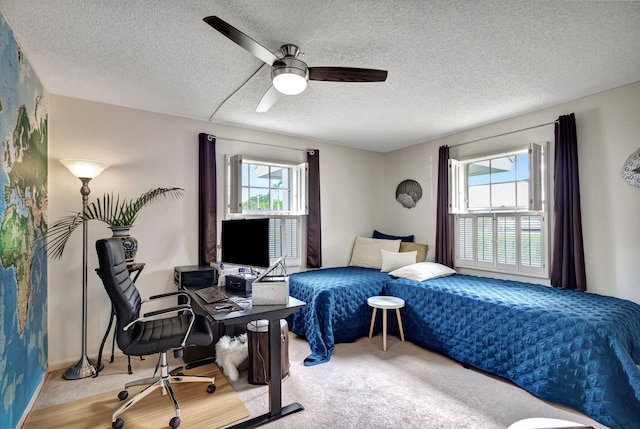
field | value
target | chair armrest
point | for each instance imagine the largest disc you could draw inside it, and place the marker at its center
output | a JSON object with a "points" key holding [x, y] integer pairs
{"points": [[174, 309], [171, 294], [165, 311]]}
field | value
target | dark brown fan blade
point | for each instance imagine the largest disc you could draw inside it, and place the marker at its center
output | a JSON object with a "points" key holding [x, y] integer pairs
{"points": [[347, 74], [242, 39]]}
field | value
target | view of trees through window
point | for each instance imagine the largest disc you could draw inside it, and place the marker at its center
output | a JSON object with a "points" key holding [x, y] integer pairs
{"points": [[265, 187]]}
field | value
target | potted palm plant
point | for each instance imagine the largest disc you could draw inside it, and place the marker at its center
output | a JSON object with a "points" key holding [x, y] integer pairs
{"points": [[119, 214]]}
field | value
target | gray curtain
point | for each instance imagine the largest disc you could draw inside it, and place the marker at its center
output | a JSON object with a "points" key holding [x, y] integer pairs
{"points": [[444, 240], [207, 207], [567, 263]]}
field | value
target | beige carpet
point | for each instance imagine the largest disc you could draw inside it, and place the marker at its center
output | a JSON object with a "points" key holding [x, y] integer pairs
{"points": [[198, 409], [360, 387]]}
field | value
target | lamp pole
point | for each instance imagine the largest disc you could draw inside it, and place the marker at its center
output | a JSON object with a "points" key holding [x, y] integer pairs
{"points": [[85, 171], [85, 366]]}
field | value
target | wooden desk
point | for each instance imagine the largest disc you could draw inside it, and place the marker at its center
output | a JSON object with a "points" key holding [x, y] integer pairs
{"points": [[272, 313]]}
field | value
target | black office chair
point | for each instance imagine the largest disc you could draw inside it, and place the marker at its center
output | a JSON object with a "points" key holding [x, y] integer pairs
{"points": [[158, 331]]}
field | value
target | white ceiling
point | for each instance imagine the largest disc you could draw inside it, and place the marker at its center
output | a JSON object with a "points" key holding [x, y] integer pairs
{"points": [[452, 64]]}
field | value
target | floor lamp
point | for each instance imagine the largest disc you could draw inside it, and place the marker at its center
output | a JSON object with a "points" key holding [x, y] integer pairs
{"points": [[85, 171]]}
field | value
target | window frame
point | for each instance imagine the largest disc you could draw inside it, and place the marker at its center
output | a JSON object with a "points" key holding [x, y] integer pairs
{"points": [[298, 205], [458, 209]]}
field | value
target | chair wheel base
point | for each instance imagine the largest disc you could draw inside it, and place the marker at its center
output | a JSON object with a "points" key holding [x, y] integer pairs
{"points": [[123, 395], [211, 388], [174, 422], [117, 424]]}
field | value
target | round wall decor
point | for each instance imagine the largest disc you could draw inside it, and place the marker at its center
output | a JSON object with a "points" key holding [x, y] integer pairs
{"points": [[631, 169], [408, 193]]}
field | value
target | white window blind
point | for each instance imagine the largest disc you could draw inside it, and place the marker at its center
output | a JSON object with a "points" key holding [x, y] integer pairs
{"points": [[283, 238], [532, 237], [507, 241], [484, 239], [465, 240]]}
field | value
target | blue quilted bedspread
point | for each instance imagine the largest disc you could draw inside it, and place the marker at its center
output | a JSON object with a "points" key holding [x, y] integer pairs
{"points": [[336, 310], [569, 347]]}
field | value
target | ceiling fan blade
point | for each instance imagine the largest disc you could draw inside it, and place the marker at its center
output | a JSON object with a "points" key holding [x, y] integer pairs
{"points": [[347, 74], [268, 99], [242, 39]]}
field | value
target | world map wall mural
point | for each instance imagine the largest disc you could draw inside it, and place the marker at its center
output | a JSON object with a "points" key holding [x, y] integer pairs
{"points": [[23, 206]]}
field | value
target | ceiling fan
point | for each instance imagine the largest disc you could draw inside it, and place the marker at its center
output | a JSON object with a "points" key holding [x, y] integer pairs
{"points": [[289, 75]]}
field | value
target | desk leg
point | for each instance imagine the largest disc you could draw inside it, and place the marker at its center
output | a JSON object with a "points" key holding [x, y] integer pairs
{"points": [[276, 410], [275, 368]]}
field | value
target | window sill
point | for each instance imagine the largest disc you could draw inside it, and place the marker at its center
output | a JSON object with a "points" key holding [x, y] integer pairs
{"points": [[542, 279]]}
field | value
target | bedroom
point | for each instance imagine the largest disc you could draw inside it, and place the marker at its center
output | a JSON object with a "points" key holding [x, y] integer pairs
{"points": [[148, 149]]}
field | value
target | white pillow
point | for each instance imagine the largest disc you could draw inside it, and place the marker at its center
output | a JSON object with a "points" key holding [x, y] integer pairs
{"points": [[395, 260], [366, 251], [423, 271]]}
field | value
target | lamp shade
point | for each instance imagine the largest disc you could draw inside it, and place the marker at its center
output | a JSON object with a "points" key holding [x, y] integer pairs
{"points": [[289, 82], [83, 168]]}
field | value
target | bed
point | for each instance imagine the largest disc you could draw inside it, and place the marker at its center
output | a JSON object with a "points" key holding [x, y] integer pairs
{"points": [[569, 347], [336, 310]]}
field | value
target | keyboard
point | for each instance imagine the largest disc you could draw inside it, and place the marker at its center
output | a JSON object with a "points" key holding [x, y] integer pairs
{"points": [[211, 294]]}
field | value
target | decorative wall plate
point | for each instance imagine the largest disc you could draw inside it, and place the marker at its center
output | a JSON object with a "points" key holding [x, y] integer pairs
{"points": [[631, 169], [408, 193]]}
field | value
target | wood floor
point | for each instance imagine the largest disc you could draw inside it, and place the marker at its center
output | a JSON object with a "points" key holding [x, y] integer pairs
{"points": [[198, 409]]}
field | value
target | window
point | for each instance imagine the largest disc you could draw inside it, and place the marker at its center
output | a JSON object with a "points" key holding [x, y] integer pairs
{"points": [[500, 223], [270, 189]]}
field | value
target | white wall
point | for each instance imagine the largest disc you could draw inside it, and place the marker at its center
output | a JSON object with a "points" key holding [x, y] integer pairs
{"points": [[608, 131], [147, 150]]}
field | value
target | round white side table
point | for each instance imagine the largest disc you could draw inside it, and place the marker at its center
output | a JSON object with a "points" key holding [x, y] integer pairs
{"points": [[544, 422], [385, 303]]}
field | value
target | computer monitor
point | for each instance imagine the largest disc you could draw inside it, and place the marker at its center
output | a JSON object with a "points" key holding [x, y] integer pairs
{"points": [[245, 242]]}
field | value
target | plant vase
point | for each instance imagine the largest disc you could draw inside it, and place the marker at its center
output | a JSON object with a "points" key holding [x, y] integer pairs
{"points": [[129, 243]]}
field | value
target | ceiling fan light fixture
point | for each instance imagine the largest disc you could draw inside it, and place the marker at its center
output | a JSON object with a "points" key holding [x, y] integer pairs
{"points": [[289, 83], [290, 76]]}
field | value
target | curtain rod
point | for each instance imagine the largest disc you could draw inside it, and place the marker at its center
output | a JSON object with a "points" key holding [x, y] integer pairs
{"points": [[310, 151], [503, 134]]}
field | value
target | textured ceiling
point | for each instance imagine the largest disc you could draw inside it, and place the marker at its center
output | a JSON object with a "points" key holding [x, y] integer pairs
{"points": [[452, 64]]}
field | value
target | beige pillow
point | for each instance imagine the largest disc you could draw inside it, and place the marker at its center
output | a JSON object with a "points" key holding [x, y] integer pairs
{"points": [[420, 248], [423, 271], [394, 260], [366, 251]]}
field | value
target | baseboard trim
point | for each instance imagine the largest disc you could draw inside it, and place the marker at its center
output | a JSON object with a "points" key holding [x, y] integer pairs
{"points": [[67, 363], [33, 399]]}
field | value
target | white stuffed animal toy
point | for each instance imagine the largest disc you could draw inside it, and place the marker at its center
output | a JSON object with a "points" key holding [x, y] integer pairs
{"points": [[231, 353]]}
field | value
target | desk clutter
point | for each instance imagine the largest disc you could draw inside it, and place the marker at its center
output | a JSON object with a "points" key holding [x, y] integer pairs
{"points": [[217, 301], [211, 294], [266, 288]]}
